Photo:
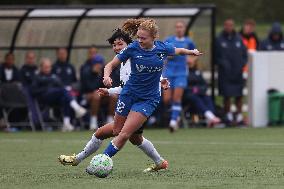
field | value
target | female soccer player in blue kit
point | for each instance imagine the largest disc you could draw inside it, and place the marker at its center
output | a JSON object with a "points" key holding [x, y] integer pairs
{"points": [[176, 71], [118, 40], [140, 95]]}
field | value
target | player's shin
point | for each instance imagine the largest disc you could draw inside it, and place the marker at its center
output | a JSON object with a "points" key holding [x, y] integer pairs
{"points": [[92, 146]]}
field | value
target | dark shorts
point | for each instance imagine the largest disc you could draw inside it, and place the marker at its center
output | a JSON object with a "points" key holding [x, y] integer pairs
{"points": [[140, 130]]}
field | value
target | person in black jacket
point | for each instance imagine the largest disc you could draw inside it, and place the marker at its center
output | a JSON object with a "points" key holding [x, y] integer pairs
{"points": [[274, 40], [195, 94], [91, 81], [8, 71], [48, 89], [28, 70], [93, 56], [63, 69], [27, 75], [231, 57]]}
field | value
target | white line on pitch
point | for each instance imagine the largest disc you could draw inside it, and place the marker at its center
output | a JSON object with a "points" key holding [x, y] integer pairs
{"points": [[155, 142]]}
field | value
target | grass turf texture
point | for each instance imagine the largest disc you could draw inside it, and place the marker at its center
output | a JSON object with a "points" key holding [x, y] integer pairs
{"points": [[198, 158]]}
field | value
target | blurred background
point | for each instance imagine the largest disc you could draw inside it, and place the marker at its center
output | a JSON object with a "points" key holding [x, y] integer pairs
{"points": [[75, 32]]}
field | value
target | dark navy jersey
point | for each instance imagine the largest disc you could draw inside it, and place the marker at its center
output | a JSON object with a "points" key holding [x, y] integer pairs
{"points": [[65, 71]]}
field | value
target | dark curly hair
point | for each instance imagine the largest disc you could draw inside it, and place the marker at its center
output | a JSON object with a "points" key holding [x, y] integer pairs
{"points": [[119, 34]]}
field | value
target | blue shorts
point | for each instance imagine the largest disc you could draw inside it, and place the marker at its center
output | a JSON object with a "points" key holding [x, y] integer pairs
{"points": [[127, 102], [178, 81]]}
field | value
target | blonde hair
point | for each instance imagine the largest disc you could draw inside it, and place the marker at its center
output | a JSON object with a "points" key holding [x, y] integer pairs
{"points": [[131, 26]]}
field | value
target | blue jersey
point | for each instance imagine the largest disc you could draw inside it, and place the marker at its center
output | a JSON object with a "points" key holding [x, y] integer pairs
{"points": [[176, 66], [146, 68]]}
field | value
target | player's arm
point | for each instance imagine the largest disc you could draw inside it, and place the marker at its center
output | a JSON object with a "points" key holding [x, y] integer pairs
{"points": [[110, 91], [108, 69], [183, 51], [115, 90]]}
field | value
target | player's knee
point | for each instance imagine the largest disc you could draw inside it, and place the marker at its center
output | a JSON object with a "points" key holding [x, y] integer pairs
{"points": [[95, 96], [99, 134]]}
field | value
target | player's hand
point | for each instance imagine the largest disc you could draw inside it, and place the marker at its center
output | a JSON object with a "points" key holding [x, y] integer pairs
{"points": [[165, 83], [103, 92], [196, 52], [107, 81]]}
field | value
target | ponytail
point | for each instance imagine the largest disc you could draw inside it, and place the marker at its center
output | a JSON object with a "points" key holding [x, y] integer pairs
{"points": [[131, 26]]}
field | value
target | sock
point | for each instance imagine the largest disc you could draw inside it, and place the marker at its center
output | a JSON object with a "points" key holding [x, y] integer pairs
{"points": [[209, 115], [152, 120], [94, 122], [176, 109], [109, 118], [111, 150], [148, 148], [239, 117], [230, 116], [66, 120], [92, 146], [75, 105]]}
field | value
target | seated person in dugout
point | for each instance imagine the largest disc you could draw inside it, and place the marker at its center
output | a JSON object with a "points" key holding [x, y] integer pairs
{"points": [[91, 81], [195, 94], [49, 90]]}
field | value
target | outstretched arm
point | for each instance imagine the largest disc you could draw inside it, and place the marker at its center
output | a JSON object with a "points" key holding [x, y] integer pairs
{"points": [[183, 51], [108, 69]]}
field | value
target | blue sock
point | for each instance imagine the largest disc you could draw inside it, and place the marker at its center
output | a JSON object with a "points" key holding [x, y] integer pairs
{"points": [[176, 109], [111, 150]]}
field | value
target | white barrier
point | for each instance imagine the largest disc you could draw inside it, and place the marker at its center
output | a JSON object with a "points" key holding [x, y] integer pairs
{"points": [[266, 71]]}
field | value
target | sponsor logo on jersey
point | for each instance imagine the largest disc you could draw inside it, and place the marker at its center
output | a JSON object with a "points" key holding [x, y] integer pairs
{"points": [[150, 69]]}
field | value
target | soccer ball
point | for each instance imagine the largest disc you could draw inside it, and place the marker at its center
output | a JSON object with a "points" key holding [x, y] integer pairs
{"points": [[101, 166]]}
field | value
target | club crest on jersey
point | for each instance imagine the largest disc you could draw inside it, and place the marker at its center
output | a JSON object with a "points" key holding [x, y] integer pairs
{"points": [[161, 55]]}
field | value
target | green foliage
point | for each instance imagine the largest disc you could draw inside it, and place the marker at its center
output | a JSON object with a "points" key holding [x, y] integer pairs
{"points": [[198, 158]]}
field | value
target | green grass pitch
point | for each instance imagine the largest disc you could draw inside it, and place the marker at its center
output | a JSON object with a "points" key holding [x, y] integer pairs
{"points": [[198, 158]]}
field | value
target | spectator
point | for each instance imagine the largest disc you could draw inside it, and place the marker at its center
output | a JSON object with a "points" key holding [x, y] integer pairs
{"points": [[28, 70], [49, 90], [195, 93], [175, 71], [231, 57], [93, 56], [91, 80], [249, 36], [27, 75], [274, 40], [8, 71], [63, 69]]}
